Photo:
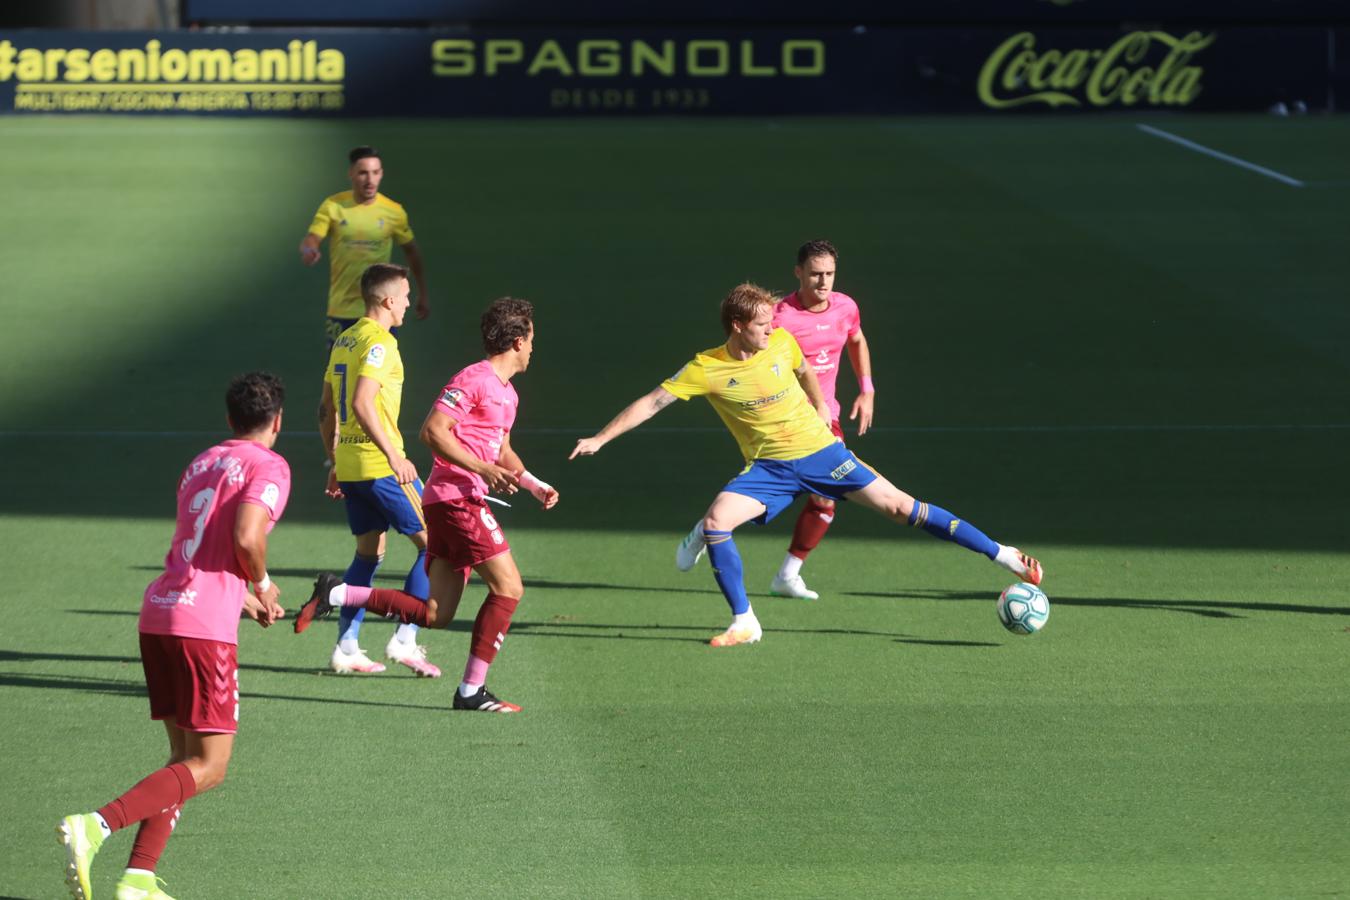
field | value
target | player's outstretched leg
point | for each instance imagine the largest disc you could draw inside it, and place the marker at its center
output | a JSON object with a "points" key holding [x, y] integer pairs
{"points": [[330, 594], [889, 500], [403, 647], [812, 523], [691, 549]]}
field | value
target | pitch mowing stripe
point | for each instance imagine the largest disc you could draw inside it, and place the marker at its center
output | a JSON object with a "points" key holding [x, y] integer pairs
{"points": [[898, 429], [1216, 154]]}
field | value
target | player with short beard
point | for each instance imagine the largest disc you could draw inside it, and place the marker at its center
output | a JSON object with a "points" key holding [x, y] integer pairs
{"points": [[361, 226]]}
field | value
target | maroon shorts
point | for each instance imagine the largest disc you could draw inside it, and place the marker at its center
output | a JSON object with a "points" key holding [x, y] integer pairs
{"points": [[463, 532], [192, 680]]}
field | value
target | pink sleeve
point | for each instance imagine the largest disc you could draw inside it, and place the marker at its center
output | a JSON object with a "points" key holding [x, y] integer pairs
{"points": [[269, 487], [854, 321], [457, 399]]}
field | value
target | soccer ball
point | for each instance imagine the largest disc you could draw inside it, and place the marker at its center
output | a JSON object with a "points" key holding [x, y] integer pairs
{"points": [[1023, 608]]}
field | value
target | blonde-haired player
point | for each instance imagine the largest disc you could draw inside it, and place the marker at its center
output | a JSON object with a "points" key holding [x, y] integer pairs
{"points": [[767, 395]]}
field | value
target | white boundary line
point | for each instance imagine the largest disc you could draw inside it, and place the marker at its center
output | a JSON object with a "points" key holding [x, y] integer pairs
{"points": [[917, 429], [1201, 148]]}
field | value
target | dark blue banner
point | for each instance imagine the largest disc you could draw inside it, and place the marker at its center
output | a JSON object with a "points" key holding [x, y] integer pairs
{"points": [[564, 71], [971, 13]]}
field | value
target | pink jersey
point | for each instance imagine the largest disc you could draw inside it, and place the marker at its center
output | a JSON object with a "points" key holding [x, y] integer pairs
{"points": [[483, 410], [822, 336], [203, 588]]}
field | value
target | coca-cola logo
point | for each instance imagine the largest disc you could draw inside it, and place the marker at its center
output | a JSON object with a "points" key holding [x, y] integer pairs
{"points": [[1129, 72]]}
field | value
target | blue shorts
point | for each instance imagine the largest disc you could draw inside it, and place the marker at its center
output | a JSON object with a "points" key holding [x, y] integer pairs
{"points": [[383, 503], [832, 472]]}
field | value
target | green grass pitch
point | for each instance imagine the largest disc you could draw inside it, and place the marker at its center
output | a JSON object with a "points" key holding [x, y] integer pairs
{"points": [[1125, 357]]}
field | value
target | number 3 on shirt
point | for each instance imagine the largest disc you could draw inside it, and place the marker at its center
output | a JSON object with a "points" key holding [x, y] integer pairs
{"points": [[201, 505]]}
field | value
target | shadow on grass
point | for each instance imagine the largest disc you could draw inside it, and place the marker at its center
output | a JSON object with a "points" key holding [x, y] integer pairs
{"points": [[1214, 609], [96, 685], [396, 578], [89, 685], [946, 643]]}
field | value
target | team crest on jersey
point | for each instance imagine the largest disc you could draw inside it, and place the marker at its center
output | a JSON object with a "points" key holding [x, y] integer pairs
{"points": [[451, 397], [375, 356], [270, 495]]}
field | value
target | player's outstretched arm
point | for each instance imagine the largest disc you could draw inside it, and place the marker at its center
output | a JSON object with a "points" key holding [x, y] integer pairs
{"points": [[250, 548], [861, 358], [633, 415], [309, 249], [436, 433]]}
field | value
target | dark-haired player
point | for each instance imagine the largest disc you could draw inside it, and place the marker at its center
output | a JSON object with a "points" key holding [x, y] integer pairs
{"points": [[827, 327], [469, 428], [229, 498], [358, 423], [361, 226], [767, 395]]}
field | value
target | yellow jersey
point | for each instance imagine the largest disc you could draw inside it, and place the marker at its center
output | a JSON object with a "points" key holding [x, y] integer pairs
{"points": [[358, 236], [369, 350], [758, 399]]}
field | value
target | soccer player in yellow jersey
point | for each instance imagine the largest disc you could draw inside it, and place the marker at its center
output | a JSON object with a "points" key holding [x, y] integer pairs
{"points": [[768, 396], [358, 421], [361, 226]]}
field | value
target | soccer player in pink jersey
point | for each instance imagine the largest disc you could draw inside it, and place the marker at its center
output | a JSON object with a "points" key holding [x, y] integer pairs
{"points": [[826, 324], [469, 429], [229, 498]]}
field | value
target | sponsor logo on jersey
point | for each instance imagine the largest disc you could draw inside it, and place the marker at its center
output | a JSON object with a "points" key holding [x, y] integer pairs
{"points": [[270, 495], [763, 401], [175, 598], [451, 397], [732, 383], [823, 357], [375, 356]]}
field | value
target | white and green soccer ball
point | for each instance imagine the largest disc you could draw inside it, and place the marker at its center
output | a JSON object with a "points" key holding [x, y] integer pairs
{"points": [[1023, 608]]}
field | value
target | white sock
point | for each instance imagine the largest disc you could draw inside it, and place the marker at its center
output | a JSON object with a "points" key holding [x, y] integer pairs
{"points": [[791, 568], [349, 646], [1007, 558], [338, 595], [468, 690], [406, 634], [745, 618], [103, 825]]}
